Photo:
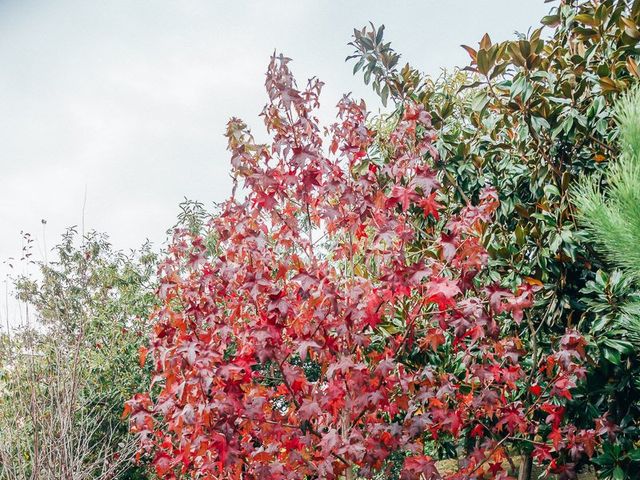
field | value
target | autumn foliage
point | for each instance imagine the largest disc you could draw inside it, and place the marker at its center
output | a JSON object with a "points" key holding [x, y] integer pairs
{"points": [[336, 317]]}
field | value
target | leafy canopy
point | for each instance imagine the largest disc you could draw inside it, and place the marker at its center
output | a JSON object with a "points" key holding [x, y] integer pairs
{"points": [[341, 317]]}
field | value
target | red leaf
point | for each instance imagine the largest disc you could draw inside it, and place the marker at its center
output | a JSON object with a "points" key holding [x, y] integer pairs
{"points": [[442, 291], [536, 390]]}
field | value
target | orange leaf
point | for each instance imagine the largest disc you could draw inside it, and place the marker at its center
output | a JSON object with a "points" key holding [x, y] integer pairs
{"points": [[143, 351], [533, 281]]}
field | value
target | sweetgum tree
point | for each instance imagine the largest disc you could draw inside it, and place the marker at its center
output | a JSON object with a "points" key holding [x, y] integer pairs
{"points": [[334, 319]]}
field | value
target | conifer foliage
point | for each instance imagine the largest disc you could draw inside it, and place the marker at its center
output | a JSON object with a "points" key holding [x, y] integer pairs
{"points": [[612, 217]]}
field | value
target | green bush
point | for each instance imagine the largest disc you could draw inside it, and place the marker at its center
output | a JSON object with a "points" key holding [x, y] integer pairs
{"points": [[66, 376]]}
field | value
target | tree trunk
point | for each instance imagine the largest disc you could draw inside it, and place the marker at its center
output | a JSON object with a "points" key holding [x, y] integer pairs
{"points": [[525, 468], [348, 475]]}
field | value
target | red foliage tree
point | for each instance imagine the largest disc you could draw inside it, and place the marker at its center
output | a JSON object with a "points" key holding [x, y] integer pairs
{"points": [[343, 319]]}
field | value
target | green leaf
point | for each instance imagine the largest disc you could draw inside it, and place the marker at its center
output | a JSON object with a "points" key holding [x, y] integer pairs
{"points": [[379, 34], [634, 455], [484, 62], [520, 235], [384, 95], [367, 76], [611, 356], [551, 20], [358, 65], [619, 345], [539, 123], [551, 190], [480, 101], [586, 19], [618, 473], [603, 460]]}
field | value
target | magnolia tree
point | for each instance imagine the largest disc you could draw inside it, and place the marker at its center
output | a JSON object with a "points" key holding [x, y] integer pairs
{"points": [[340, 322]]}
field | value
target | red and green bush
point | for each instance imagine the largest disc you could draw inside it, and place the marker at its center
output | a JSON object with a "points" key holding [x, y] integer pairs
{"points": [[343, 316], [383, 293]]}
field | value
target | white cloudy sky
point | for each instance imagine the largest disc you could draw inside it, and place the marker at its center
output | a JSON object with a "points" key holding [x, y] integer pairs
{"points": [[127, 99]]}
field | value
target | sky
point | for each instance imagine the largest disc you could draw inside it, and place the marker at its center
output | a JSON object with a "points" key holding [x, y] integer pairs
{"points": [[113, 111]]}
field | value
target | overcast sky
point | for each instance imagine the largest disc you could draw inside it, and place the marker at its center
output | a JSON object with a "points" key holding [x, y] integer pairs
{"points": [[128, 99]]}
